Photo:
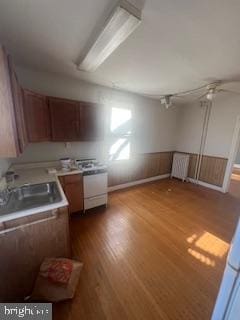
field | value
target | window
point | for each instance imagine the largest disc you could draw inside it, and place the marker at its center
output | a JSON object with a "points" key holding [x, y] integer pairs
{"points": [[120, 134]]}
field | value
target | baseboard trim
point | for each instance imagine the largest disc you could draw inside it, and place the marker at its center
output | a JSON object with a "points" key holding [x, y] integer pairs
{"points": [[163, 176], [137, 182], [207, 185]]}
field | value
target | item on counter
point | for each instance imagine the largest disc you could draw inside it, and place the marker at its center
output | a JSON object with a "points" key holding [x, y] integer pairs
{"points": [[10, 176], [51, 170], [57, 280], [66, 164]]}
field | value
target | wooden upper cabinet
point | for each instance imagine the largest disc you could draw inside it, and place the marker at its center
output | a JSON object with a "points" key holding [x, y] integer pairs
{"points": [[91, 121], [9, 144], [64, 119], [37, 117], [69, 120], [26, 116], [17, 94]]}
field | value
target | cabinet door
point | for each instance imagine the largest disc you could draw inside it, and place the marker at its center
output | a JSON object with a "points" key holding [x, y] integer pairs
{"points": [[17, 94], [91, 121], [75, 197], [64, 119], [73, 188], [30, 240], [8, 132], [37, 117]]}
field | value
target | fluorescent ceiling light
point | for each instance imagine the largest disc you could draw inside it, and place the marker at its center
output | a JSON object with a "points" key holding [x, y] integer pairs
{"points": [[122, 22]]}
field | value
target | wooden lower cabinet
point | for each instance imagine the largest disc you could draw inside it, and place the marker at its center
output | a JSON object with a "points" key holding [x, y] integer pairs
{"points": [[73, 189], [24, 243]]}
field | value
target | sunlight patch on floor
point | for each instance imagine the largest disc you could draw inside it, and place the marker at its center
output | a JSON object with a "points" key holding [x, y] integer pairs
{"points": [[192, 238], [207, 245], [212, 244], [201, 257]]}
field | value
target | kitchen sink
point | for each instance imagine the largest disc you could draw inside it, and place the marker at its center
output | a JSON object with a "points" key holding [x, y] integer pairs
{"points": [[31, 196]]}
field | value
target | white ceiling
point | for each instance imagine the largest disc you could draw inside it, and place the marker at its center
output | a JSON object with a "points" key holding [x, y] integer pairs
{"points": [[181, 44]]}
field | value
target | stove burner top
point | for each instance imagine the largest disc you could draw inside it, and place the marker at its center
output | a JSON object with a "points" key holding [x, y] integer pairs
{"points": [[90, 166]]}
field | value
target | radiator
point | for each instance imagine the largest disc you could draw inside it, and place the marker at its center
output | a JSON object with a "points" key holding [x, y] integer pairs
{"points": [[180, 166]]}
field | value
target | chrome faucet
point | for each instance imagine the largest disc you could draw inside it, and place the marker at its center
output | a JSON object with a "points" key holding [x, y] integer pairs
{"points": [[4, 196]]}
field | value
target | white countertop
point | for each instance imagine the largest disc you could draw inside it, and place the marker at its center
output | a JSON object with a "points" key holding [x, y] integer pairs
{"points": [[34, 174]]}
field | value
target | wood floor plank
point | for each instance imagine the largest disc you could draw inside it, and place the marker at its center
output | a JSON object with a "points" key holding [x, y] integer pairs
{"points": [[157, 252]]}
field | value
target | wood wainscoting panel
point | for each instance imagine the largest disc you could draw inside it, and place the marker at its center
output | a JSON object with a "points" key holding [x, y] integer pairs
{"points": [[147, 165], [212, 169], [141, 166]]}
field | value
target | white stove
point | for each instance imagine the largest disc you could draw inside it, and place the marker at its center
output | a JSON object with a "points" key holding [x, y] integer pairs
{"points": [[95, 183]]}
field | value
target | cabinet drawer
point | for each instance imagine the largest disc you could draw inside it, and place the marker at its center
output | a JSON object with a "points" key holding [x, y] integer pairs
{"points": [[72, 178]]}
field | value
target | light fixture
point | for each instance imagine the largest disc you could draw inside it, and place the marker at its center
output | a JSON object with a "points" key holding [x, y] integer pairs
{"points": [[122, 22], [167, 101], [210, 94], [212, 89]]}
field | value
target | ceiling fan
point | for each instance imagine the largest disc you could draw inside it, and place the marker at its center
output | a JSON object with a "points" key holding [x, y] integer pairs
{"points": [[213, 89], [167, 100]]}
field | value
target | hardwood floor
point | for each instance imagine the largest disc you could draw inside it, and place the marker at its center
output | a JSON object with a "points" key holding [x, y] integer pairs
{"points": [[157, 252]]}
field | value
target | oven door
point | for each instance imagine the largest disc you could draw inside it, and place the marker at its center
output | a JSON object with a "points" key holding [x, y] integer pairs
{"points": [[95, 185]]}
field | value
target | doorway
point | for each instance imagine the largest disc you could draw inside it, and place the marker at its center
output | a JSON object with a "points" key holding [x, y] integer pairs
{"points": [[234, 187], [232, 175]]}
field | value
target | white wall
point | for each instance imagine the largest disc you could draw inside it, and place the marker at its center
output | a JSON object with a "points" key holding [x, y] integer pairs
{"points": [[189, 128], [225, 109], [153, 125]]}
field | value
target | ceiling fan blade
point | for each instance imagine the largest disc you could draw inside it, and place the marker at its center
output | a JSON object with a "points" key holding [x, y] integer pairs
{"points": [[199, 98], [235, 78], [228, 91], [181, 97]]}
